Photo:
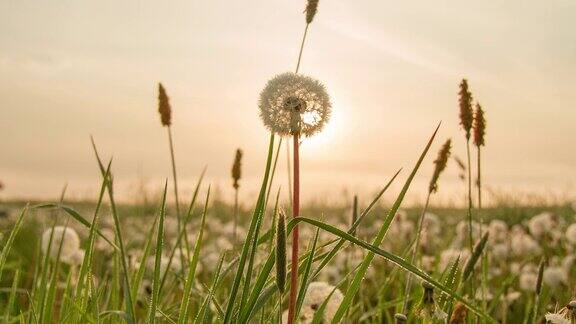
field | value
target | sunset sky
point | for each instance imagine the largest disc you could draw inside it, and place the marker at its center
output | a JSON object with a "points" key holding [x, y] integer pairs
{"points": [[71, 69]]}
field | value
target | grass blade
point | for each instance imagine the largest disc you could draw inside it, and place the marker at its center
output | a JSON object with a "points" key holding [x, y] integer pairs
{"points": [[158, 260], [183, 318], [355, 285]]}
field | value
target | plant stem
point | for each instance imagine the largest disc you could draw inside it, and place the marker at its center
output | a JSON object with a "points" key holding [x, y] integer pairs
{"points": [[235, 214], [470, 237], [176, 197], [295, 206], [295, 234], [414, 253]]}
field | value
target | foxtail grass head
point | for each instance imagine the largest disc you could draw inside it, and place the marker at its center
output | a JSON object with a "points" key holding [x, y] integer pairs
{"points": [[479, 126], [281, 252], [466, 112], [311, 8], [164, 106], [294, 104], [440, 165], [237, 169]]}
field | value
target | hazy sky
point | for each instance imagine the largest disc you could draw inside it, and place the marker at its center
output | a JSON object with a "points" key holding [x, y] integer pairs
{"points": [[69, 69]]}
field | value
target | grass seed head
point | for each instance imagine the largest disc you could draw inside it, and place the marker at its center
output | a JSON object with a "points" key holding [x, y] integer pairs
{"points": [[466, 112], [440, 165], [476, 253], [311, 8], [281, 252], [164, 106], [400, 318], [459, 314], [237, 169], [479, 126]]}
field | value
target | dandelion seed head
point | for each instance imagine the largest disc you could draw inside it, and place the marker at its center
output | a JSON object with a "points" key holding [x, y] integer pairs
{"points": [[292, 103], [66, 237], [571, 234]]}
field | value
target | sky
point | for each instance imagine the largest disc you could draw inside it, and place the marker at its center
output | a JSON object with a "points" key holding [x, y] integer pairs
{"points": [[71, 69]]}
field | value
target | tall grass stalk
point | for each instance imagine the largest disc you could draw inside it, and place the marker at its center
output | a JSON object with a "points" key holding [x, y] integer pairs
{"points": [[130, 316]]}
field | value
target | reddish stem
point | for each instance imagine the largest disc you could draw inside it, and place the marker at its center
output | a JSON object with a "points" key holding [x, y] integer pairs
{"points": [[295, 213]]}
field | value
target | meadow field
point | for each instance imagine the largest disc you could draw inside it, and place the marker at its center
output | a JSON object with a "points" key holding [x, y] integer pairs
{"points": [[279, 257]]}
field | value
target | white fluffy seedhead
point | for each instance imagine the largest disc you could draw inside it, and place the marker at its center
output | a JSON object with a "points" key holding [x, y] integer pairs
{"points": [[292, 103]]}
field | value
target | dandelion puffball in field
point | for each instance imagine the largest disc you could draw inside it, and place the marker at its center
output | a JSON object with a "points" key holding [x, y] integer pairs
{"points": [[66, 237], [294, 104], [571, 234], [566, 315], [316, 294]]}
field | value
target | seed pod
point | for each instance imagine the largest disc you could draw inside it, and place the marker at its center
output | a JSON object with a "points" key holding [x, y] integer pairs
{"points": [[281, 252], [476, 253]]}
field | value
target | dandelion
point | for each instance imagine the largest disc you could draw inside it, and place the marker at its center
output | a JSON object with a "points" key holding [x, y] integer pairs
{"points": [[236, 175], [566, 315], [295, 105], [64, 241], [427, 309], [571, 234], [316, 294]]}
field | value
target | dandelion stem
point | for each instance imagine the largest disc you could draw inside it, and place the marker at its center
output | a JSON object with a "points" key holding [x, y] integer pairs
{"points": [[295, 206], [295, 234]]}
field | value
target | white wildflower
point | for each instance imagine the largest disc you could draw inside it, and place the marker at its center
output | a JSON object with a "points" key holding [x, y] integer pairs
{"points": [[292, 103], [66, 237]]}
